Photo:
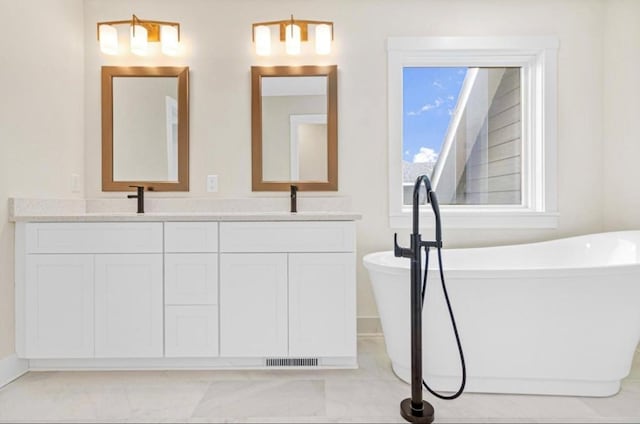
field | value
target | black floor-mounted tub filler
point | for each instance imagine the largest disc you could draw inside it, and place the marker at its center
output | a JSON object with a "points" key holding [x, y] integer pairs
{"points": [[415, 409]]}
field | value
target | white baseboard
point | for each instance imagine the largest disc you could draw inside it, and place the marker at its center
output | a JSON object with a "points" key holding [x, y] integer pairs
{"points": [[11, 368]]}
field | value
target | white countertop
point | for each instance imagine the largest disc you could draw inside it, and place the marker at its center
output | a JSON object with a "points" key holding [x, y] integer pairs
{"points": [[193, 216], [111, 210]]}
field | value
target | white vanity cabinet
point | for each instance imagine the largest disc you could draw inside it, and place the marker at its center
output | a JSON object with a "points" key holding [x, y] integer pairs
{"points": [[90, 290], [287, 289], [191, 289], [174, 294]]}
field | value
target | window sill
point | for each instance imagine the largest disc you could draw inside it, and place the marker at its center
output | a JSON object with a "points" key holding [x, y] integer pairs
{"points": [[478, 218]]}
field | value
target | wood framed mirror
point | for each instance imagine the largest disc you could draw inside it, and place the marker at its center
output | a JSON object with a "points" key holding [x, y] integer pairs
{"points": [[145, 128], [294, 128]]}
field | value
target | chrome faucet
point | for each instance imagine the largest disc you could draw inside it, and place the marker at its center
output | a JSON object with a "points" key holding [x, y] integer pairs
{"points": [[139, 196], [294, 199]]}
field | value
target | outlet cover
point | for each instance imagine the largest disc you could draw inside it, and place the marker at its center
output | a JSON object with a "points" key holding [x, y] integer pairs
{"points": [[212, 183]]}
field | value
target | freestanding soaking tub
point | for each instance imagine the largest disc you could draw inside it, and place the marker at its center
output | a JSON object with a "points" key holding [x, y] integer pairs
{"points": [[560, 317]]}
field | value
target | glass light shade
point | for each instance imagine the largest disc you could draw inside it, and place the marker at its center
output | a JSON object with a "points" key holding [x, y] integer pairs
{"points": [[139, 40], [323, 39], [262, 38], [108, 39], [169, 39], [292, 39]]}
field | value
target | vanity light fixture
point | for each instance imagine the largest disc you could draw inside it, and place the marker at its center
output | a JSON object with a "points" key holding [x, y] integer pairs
{"points": [[141, 32], [292, 33]]}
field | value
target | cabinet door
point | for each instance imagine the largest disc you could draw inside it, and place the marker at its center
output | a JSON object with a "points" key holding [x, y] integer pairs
{"points": [[322, 304], [59, 306], [128, 305], [253, 304], [191, 331], [191, 278]]}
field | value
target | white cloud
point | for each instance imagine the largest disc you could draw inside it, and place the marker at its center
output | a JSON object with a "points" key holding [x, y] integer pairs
{"points": [[438, 84], [425, 155], [429, 106]]}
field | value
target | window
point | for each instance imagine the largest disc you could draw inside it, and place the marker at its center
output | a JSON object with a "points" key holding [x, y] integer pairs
{"points": [[477, 115]]}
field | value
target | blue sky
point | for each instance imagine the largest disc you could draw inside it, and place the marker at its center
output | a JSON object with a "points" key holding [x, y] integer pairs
{"points": [[429, 97]]}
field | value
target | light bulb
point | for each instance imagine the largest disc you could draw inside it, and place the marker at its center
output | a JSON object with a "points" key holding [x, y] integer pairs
{"points": [[292, 39], [262, 36], [108, 39], [169, 39], [138, 40], [323, 39]]}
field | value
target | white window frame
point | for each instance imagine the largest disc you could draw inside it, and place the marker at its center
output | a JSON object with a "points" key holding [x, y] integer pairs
{"points": [[537, 56]]}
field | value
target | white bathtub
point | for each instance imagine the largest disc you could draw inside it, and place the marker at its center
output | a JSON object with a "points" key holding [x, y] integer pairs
{"points": [[560, 317]]}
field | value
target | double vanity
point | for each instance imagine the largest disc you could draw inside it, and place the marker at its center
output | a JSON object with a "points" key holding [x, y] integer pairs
{"points": [[119, 290], [194, 283]]}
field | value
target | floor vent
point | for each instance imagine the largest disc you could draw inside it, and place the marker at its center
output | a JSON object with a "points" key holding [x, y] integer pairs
{"points": [[292, 362]]}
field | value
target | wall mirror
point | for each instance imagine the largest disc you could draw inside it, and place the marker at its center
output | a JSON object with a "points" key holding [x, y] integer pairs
{"points": [[145, 128], [294, 128]]}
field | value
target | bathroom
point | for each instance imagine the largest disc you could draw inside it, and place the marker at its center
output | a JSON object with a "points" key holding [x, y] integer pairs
{"points": [[51, 148]]}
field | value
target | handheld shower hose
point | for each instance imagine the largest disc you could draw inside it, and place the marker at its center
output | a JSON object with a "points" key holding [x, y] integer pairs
{"points": [[415, 409]]}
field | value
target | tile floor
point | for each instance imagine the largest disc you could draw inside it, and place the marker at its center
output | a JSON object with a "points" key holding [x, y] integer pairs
{"points": [[369, 394]]}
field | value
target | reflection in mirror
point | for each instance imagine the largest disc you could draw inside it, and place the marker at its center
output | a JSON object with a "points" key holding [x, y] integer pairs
{"points": [[294, 127], [294, 122], [145, 128], [308, 158]]}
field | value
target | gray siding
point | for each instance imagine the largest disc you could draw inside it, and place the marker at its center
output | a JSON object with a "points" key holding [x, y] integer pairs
{"points": [[493, 172]]}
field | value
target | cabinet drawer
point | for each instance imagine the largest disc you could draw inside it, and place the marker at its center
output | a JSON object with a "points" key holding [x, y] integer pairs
{"points": [[191, 331], [129, 237], [330, 236], [191, 237], [191, 278]]}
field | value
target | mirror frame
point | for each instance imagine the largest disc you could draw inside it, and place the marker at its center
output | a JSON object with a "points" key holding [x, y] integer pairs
{"points": [[182, 73], [257, 72]]}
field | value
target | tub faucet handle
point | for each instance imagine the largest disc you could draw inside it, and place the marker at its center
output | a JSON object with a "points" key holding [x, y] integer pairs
{"points": [[400, 252]]}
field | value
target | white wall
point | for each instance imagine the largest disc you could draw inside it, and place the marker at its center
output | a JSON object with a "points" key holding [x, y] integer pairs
{"points": [[218, 49], [41, 117], [621, 140]]}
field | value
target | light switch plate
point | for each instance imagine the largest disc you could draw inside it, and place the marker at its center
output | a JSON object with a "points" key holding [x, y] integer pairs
{"points": [[212, 183]]}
